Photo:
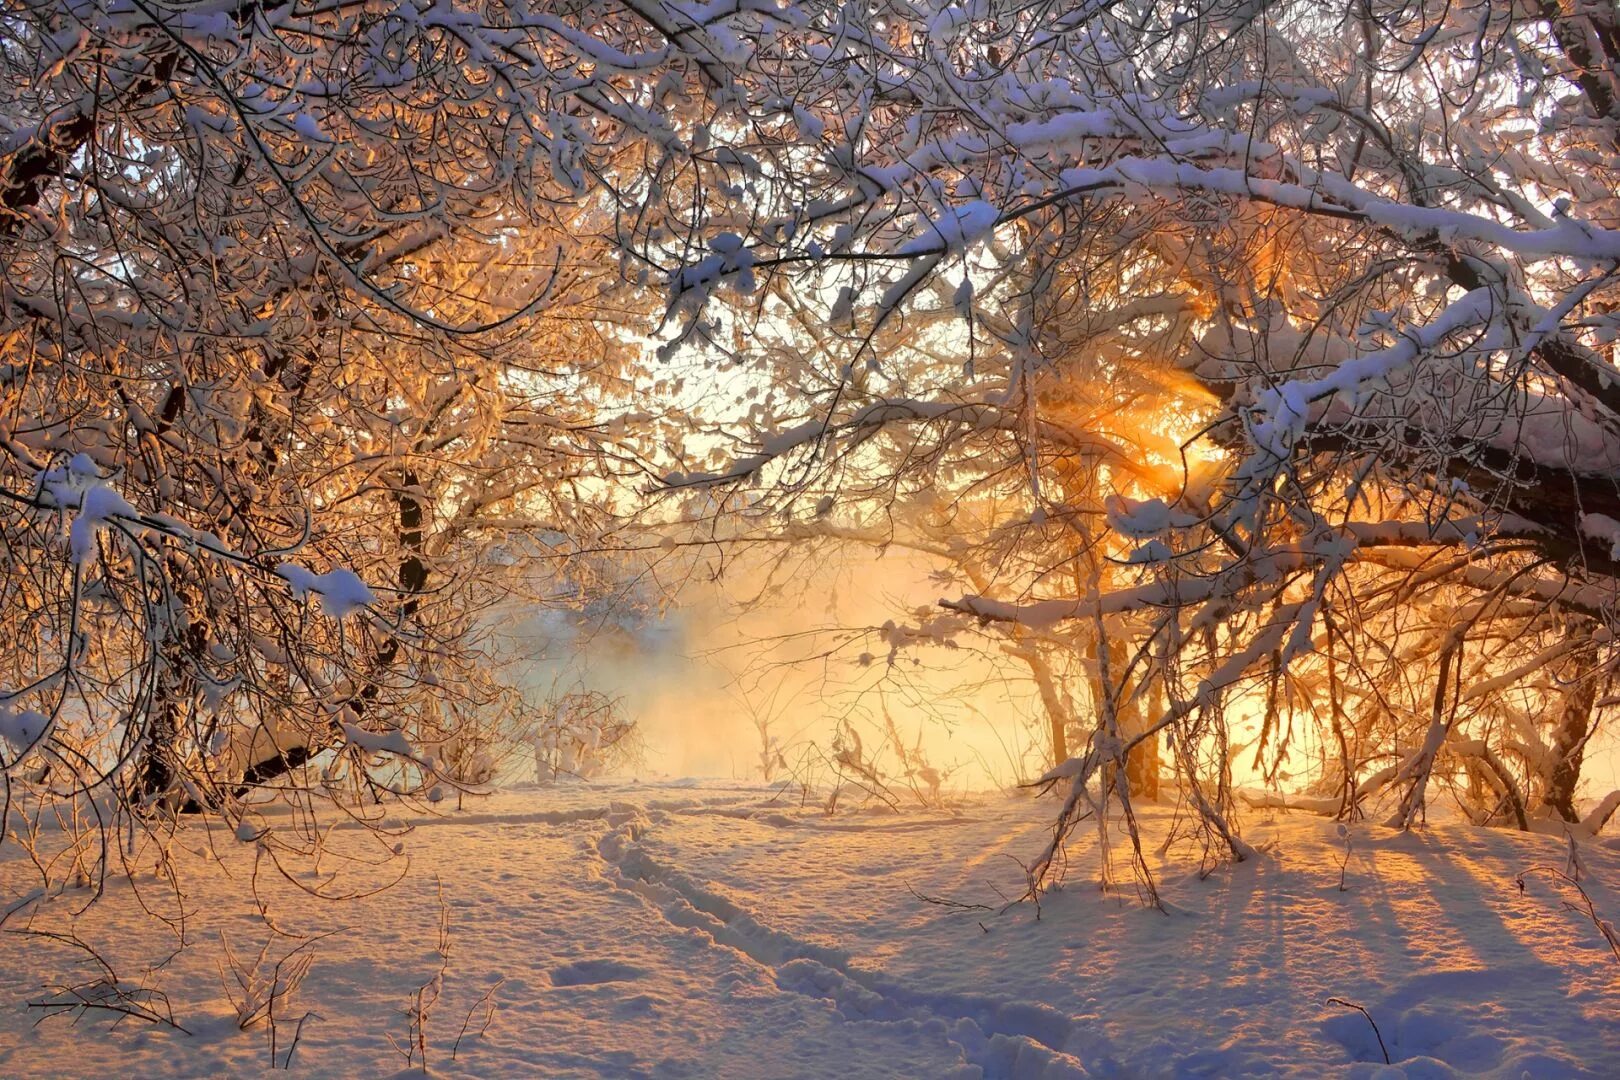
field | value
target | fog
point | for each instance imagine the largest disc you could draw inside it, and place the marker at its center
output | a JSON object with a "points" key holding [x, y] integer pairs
{"points": [[798, 647]]}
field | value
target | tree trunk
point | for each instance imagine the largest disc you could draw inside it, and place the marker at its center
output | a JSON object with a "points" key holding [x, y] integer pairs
{"points": [[1573, 724], [1057, 716], [412, 578], [1142, 763]]}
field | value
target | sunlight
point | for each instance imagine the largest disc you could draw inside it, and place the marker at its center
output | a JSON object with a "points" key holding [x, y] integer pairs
{"points": [[799, 539]]}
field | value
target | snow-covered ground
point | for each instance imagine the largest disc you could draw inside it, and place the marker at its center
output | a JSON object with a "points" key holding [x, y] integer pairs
{"points": [[722, 930]]}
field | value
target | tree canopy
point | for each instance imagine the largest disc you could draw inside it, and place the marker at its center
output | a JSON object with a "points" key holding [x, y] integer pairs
{"points": [[1246, 363]]}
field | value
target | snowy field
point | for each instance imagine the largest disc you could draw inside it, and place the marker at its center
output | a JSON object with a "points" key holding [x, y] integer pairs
{"points": [[716, 930]]}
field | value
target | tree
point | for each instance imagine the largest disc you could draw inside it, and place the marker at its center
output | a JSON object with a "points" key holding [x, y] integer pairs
{"points": [[1291, 326], [1351, 258], [303, 319]]}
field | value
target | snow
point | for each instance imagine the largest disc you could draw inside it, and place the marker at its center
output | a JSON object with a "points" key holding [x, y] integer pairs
{"points": [[301, 579], [341, 591], [77, 485], [372, 742], [957, 228], [1604, 529], [1154, 551], [1143, 520], [21, 728], [99, 505], [723, 930]]}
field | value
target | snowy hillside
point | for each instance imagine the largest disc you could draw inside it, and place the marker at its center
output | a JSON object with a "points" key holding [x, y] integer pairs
{"points": [[712, 930]]}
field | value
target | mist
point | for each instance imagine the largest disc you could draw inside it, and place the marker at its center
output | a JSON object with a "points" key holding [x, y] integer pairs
{"points": [[768, 642]]}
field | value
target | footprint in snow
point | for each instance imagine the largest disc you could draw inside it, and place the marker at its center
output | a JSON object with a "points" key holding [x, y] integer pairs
{"points": [[590, 972]]}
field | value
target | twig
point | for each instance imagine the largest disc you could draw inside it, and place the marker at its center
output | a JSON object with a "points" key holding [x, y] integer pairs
{"points": [[1376, 1033], [106, 992], [298, 1033], [947, 902], [1585, 907], [487, 1000]]}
